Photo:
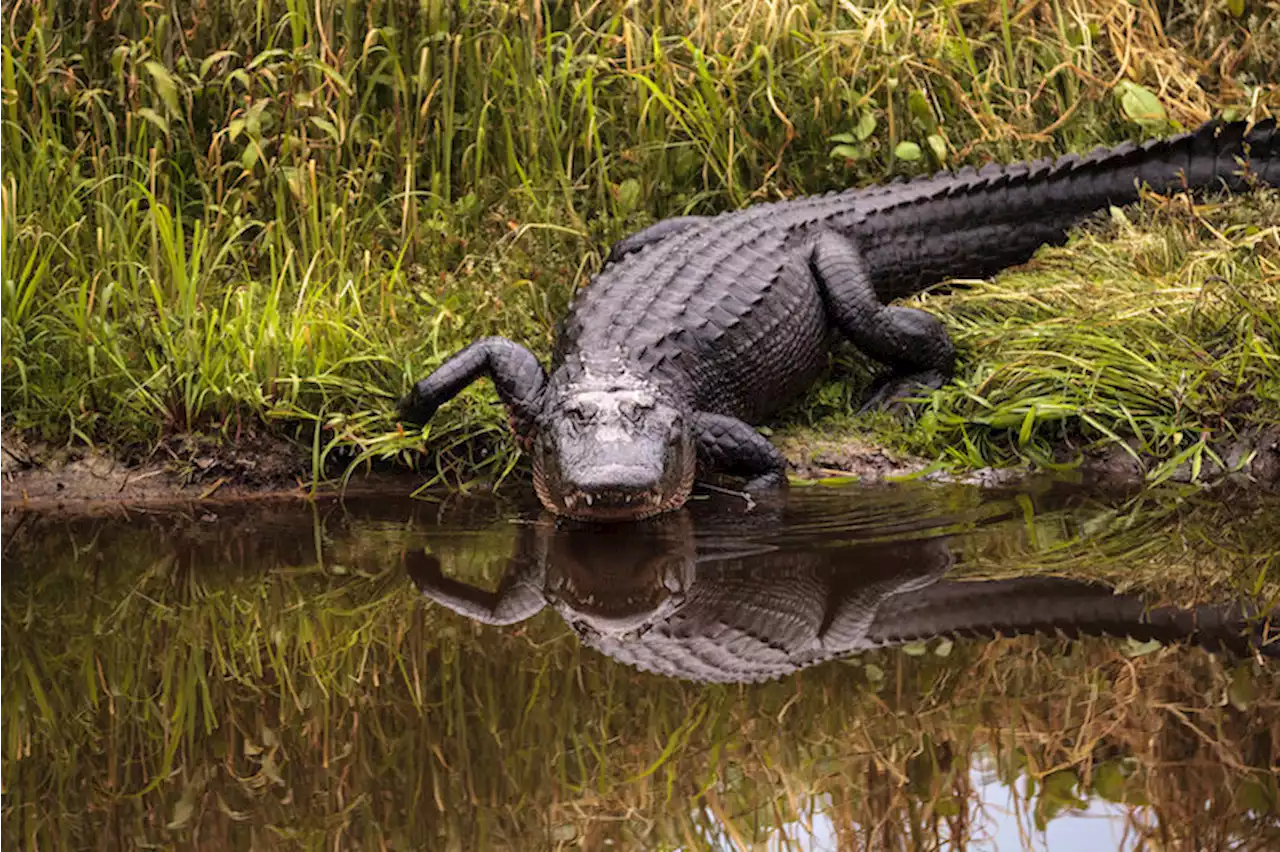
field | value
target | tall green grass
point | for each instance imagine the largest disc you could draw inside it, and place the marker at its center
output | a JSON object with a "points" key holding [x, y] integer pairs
{"points": [[220, 216]]}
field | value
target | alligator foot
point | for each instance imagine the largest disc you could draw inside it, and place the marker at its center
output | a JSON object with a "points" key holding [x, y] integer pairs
{"points": [[892, 392], [730, 446]]}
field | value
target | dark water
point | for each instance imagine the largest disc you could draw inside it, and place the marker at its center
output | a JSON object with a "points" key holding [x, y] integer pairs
{"points": [[824, 673]]}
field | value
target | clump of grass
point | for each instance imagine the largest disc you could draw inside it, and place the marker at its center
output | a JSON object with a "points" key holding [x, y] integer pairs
{"points": [[287, 212]]}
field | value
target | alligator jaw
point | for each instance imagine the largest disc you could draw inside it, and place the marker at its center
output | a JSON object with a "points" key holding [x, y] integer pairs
{"points": [[611, 505]]}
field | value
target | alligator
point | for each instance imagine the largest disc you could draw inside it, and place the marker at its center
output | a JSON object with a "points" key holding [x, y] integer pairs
{"points": [[698, 327], [726, 606]]}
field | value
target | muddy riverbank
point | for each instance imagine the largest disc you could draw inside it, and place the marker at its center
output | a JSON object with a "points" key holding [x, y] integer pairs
{"points": [[38, 476]]}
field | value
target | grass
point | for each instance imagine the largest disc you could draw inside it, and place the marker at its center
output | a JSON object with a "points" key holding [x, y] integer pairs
{"points": [[272, 679], [1157, 331], [277, 215]]}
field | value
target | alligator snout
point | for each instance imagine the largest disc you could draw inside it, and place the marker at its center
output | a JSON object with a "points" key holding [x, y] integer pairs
{"points": [[620, 482], [609, 507]]}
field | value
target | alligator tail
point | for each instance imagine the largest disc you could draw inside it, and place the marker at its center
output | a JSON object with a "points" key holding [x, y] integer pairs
{"points": [[973, 223], [1071, 608]]}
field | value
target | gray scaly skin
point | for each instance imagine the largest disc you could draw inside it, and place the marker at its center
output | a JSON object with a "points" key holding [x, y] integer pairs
{"points": [[700, 326], [645, 596]]}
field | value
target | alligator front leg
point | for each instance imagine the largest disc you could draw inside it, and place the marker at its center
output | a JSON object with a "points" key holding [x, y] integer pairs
{"points": [[519, 597], [655, 233], [728, 445], [913, 343], [514, 370]]}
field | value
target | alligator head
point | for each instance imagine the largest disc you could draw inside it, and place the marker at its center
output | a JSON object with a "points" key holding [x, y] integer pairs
{"points": [[612, 447], [605, 584]]}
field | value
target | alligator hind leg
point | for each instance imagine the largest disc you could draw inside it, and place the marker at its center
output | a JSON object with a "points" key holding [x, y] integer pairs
{"points": [[913, 343], [655, 233], [728, 445], [514, 370]]}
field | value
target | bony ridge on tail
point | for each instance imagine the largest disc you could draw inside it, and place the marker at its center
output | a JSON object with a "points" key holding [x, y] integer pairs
{"points": [[698, 326]]}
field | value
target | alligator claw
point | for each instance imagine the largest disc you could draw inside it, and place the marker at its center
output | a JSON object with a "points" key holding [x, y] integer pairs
{"points": [[422, 567], [411, 409], [766, 483], [894, 393]]}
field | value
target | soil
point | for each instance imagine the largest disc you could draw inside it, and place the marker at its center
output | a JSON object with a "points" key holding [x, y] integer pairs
{"points": [[186, 468], [36, 476], [1251, 461]]}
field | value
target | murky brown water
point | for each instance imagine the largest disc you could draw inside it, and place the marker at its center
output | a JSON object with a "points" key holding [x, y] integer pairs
{"points": [[814, 674]]}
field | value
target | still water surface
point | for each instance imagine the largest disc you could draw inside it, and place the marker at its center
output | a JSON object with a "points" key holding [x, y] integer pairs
{"points": [[818, 673]]}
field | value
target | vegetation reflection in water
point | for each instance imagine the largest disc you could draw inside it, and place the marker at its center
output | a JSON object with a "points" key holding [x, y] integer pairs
{"points": [[263, 675]]}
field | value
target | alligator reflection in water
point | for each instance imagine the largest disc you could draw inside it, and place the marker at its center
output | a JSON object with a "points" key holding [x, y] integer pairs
{"points": [[721, 599], [245, 674]]}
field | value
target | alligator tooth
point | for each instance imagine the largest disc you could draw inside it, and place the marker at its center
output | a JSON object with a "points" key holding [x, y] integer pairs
{"points": [[588, 498]]}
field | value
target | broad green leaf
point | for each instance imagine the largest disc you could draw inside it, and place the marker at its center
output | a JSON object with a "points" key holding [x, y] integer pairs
{"points": [[628, 195], [939, 147], [327, 126], [1142, 106], [1134, 648], [866, 125], [209, 61], [1242, 692], [948, 806], [155, 118], [847, 152], [165, 86], [1253, 795], [1109, 781], [908, 151], [918, 104]]}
